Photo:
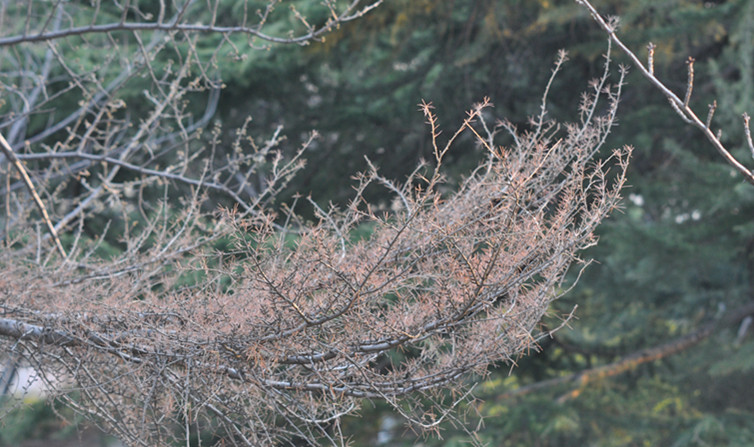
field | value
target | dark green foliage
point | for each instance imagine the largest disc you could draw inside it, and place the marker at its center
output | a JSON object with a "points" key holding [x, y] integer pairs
{"points": [[35, 418], [361, 86]]}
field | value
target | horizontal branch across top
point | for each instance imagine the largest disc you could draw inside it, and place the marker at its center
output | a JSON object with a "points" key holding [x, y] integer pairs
{"points": [[188, 28], [146, 26]]}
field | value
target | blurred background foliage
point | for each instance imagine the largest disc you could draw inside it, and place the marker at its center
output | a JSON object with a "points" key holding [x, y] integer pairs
{"points": [[679, 255]]}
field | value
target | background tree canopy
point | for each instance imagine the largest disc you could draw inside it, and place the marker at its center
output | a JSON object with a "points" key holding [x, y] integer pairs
{"points": [[678, 258]]}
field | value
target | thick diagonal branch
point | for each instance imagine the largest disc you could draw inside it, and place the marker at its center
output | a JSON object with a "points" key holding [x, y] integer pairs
{"points": [[8, 151]]}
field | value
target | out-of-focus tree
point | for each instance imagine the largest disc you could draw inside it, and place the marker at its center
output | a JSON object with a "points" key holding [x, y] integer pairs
{"points": [[291, 324], [359, 88]]}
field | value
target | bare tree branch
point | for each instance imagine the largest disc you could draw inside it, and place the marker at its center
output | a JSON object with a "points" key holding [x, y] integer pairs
{"points": [[680, 106], [37, 200], [353, 11]]}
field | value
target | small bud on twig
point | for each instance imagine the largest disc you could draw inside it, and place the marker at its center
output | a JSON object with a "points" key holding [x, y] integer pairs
{"points": [[690, 81], [748, 133], [712, 108], [651, 58]]}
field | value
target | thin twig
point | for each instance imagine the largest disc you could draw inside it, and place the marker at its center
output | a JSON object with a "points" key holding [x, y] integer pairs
{"points": [[679, 105], [747, 130], [175, 26], [689, 81], [30, 186]]}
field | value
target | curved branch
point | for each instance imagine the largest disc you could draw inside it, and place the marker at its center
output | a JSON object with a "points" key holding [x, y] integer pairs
{"points": [[585, 377]]}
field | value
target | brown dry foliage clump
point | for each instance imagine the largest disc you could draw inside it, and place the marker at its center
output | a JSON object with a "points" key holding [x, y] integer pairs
{"points": [[290, 326]]}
